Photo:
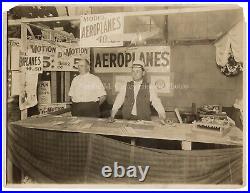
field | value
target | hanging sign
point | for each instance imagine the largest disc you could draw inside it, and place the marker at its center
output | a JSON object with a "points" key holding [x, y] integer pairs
{"points": [[68, 57], [15, 83], [30, 62], [28, 89], [112, 60], [14, 48], [44, 92], [49, 108], [59, 57], [96, 30]]}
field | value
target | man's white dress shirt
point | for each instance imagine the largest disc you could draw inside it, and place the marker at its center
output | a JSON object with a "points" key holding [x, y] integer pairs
{"points": [[86, 88]]}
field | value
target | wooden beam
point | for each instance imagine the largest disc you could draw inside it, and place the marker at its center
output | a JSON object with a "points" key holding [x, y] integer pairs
{"points": [[31, 32], [139, 13], [47, 19], [24, 113], [208, 41]]}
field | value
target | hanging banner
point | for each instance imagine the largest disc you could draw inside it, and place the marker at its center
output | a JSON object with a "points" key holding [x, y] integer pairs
{"points": [[14, 48], [112, 60], [15, 83], [44, 92], [59, 57], [28, 89], [30, 62], [161, 83], [96, 30], [49, 108]]}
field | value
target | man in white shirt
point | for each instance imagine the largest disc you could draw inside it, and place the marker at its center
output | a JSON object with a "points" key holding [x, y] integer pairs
{"points": [[87, 92], [136, 97]]}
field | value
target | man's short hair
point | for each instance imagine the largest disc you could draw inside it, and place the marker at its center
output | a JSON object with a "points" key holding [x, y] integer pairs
{"points": [[83, 59]]}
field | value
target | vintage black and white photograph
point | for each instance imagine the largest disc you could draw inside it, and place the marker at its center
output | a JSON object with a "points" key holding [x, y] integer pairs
{"points": [[125, 95]]}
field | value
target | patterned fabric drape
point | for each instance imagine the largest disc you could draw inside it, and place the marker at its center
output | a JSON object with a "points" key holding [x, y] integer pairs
{"points": [[71, 157], [233, 38], [229, 51]]}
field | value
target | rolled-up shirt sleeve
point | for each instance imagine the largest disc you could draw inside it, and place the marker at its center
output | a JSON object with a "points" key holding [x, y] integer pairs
{"points": [[100, 90], [119, 99], [156, 101], [72, 88]]}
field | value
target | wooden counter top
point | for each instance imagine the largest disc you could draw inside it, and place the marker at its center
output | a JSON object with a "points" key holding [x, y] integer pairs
{"points": [[134, 129]]}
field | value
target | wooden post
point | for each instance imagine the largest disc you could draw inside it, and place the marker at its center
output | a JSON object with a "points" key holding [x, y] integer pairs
{"points": [[24, 113], [62, 97], [67, 86], [132, 151], [132, 155], [53, 87], [186, 145]]}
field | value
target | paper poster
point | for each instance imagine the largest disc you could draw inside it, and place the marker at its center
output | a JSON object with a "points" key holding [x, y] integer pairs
{"points": [[30, 62], [59, 57], [113, 60], [96, 30], [161, 83], [120, 81], [44, 92], [49, 108], [28, 90], [14, 45], [15, 83]]}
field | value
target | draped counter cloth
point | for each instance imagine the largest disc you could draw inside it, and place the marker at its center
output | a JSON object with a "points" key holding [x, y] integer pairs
{"points": [[231, 41], [77, 158]]}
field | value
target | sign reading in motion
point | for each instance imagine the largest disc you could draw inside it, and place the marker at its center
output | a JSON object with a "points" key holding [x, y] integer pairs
{"points": [[60, 57]]}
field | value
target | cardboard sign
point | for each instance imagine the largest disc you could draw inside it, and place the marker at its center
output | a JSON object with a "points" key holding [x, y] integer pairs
{"points": [[59, 57], [113, 60], [68, 57], [44, 92], [28, 87], [161, 83], [49, 108], [96, 29], [30, 62], [14, 49], [15, 83]]}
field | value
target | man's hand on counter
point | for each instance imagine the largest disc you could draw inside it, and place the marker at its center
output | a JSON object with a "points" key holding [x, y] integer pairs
{"points": [[111, 119], [162, 121]]}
